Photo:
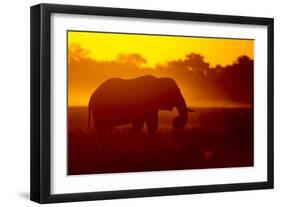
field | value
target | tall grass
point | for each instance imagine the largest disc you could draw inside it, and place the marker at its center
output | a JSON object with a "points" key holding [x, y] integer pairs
{"points": [[213, 138]]}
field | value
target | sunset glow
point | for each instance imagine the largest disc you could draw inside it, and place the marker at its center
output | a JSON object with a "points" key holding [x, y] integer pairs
{"points": [[159, 49], [94, 57], [139, 102]]}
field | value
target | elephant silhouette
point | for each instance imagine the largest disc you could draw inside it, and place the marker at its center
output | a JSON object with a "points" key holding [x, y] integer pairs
{"points": [[137, 101]]}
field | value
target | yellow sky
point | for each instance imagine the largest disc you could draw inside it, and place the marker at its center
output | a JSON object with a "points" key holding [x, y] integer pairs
{"points": [[159, 49]]}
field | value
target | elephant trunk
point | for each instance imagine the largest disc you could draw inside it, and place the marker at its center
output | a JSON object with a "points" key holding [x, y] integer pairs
{"points": [[180, 121]]}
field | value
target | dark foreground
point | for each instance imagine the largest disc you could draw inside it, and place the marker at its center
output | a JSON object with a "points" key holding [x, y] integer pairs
{"points": [[213, 138]]}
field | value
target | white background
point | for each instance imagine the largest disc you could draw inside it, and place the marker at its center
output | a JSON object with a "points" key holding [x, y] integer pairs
{"points": [[14, 110]]}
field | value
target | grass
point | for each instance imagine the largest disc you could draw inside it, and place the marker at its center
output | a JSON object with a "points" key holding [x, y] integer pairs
{"points": [[213, 138]]}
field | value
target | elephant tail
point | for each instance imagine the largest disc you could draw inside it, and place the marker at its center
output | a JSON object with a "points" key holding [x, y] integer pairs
{"points": [[89, 113], [89, 117]]}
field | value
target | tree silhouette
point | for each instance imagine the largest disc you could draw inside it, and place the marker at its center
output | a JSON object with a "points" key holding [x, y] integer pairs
{"points": [[76, 53], [135, 59], [196, 62], [197, 80]]}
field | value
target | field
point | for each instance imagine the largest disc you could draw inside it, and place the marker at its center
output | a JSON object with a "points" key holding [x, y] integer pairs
{"points": [[213, 138]]}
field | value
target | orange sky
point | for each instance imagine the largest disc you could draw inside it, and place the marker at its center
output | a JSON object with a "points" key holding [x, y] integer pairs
{"points": [[84, 77], [159, 49]]}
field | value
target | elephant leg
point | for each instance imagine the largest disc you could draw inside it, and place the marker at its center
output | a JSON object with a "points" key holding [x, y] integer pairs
{"points": [[101, 129], [152, 122], [137, 126]]}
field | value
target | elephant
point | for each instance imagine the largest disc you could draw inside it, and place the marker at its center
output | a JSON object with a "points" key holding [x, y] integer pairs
{"points": [[136, 101]]}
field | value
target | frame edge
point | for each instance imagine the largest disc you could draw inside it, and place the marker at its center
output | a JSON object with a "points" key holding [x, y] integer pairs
{"points": [[35, 25], [40, 90], [270, 102]]}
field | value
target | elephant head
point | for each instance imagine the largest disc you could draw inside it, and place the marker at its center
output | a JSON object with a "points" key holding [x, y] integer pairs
{"points": [[174, 98]]}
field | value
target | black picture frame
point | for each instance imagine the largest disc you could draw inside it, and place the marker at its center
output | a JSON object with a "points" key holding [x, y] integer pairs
{"points": [[40, 184]]}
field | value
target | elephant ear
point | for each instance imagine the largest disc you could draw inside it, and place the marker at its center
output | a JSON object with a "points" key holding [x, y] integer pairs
{"points": [[178, 123]]}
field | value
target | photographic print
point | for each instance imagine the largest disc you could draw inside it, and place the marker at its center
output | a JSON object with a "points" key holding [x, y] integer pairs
{"points": [[148, 102], [132, 103]]}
